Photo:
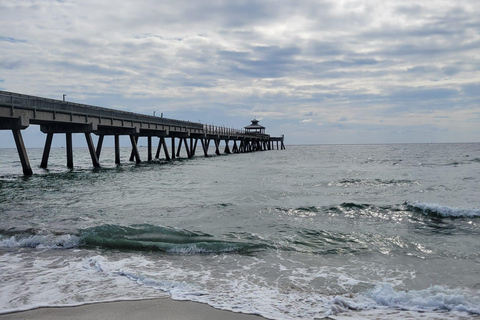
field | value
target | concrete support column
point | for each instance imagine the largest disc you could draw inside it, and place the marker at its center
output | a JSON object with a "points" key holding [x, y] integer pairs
{"points": [[22, 152], [173, 148], [99, 145], [179, 147], [204, 147], [132, 154], [69, 150], [227, 148], [46, 151], [164, 143], [117, 149], [217, 146], [149, 138], [91, 148], [159, 148], [189, 154], [135, 153], [194, 148]]}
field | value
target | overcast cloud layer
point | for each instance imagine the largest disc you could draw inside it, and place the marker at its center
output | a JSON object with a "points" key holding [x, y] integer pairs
{"points": [[339, 71]]}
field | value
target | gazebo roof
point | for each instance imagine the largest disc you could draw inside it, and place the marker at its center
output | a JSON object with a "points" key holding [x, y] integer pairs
{"points": [[254, 125]]}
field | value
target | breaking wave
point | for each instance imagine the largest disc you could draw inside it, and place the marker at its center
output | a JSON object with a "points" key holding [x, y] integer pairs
{"points": [[433, 299], [371, 182], [143, 237], [442, 211], [49, 241], [376, 210]]}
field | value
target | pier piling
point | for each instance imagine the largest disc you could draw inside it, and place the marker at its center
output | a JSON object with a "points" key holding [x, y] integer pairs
{"points": [[91, 148], [69, 147], [99, 145], [46, 151], [135, 154], [22, 152], [117, 149]]}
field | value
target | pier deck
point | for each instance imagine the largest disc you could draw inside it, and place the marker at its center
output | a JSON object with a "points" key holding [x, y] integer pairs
{"points": [[19, 111]]}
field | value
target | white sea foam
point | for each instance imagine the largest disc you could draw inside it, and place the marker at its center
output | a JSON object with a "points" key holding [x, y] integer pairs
{"points": [[224, 282], [445, 211], [194, 248], [48, 241], [43, 280], [433, 299]]}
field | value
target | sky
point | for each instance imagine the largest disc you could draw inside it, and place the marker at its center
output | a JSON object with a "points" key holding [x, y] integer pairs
{"points": [[319, 72]]}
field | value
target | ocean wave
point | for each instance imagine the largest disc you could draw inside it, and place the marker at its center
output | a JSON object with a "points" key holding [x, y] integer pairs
{"points": [[163, 239], [433, 299], [143, 237], [48, 241], [383, 211], [372, 182], [461, 162], [443, 211]]}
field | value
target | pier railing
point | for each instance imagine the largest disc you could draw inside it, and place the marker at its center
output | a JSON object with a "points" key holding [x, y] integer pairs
{"points": [[37, 103]]}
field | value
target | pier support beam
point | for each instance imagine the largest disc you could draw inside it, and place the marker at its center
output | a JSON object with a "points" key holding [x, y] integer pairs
{"points": [[149, 141], [91, 148], [99, 145], [22, 152], [179, 147], [164, 143], [69, 147], [173, 148], [132, 154], [217, 146], [46, 151], [227, 148], [204, 147], [235, 147], [117, 149], [194, 148], [159, 148], [135, 153], [187, 148]]}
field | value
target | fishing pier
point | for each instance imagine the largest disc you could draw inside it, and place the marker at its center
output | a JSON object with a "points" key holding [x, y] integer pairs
{"points": [[19, 111]]}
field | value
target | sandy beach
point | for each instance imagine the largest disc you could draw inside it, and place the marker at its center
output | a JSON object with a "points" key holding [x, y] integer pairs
{"points": [[158, 309]]}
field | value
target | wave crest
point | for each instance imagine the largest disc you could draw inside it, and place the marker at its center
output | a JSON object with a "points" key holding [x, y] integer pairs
{"points": [[143, 237], [443, 211], [163, 239], [48, 241]]}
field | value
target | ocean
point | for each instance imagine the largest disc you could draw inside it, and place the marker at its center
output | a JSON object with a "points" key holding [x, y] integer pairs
{"points": [[340, 231]]}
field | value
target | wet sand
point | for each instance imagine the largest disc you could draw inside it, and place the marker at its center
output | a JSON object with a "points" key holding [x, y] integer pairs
{"points": [[158, 309]]}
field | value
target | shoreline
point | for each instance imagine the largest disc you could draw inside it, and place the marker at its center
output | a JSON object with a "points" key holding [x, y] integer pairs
{"points": [[158, 309]]}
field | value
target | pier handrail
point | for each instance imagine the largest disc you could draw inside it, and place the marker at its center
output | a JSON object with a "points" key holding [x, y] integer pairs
{"points": [[225, 131], [19, 100]]}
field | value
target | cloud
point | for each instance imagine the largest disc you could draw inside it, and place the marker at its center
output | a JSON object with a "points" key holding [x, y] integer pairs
{"points": [[367, 62], [12, 40]]}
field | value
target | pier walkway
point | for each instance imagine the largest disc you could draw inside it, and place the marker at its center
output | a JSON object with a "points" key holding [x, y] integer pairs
{"points": [[19, 111]]}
